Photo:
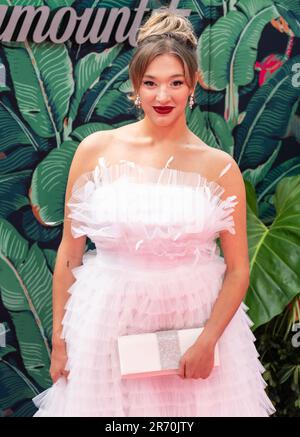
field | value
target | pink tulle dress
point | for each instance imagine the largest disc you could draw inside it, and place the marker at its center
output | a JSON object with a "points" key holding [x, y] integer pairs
{"points": [[156, 266]]}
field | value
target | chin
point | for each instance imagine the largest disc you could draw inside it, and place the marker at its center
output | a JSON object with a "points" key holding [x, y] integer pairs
{"points": [[162, 119]]}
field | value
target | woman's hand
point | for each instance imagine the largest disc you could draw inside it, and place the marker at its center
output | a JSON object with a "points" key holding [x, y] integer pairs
{"points": [[58, 360], [198, 360]]}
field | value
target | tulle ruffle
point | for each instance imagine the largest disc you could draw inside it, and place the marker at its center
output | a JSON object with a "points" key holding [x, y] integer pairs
{"points": [[108, 300], [164, 202]]}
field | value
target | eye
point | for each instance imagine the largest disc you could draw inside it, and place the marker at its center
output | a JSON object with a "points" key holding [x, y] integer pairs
{"points": [[147, 82], [150, 82], [178, 81]]}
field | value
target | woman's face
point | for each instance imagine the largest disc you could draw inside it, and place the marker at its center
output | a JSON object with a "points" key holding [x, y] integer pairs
{"points": [[164, 84]]}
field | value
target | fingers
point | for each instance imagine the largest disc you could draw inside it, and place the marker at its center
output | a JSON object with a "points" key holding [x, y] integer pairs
{"points": [[57, 375], [181, 370], [66, 373]]}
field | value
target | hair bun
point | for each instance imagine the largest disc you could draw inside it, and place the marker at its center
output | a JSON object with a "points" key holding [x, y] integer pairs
{"points": [[167, 24]]}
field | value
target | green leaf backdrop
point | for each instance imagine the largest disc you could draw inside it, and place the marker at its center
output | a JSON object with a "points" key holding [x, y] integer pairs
{"points": [[52, 96]]}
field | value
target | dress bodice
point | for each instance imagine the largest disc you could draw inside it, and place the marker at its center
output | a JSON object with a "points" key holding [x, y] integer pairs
{"points": [[143, 210]]}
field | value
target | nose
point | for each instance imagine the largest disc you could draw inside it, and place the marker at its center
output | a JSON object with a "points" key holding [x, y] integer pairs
{"points": [[162, 95]]}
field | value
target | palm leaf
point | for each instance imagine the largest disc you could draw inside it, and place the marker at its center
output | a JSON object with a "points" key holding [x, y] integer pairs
{"points": [[21, 2], [291, 167], [118, 72], [87, 72], [211, 128], [18, 159], [267, 118], [16, 389], [13, 130], [290, 11], [227, 50], [275, 255], [53, 4], [258, 174], [25, 284], [32, 229], [84, 130], [43, 84], [49, 183], [13, 192], [14, 385], [112, 104]]}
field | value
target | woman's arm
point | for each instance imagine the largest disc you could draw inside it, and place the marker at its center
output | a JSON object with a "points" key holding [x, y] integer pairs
{"points": [[198, 361], [71, 249], [62, 281], [235, 250]]}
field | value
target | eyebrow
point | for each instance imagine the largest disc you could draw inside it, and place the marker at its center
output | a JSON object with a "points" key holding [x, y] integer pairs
{"points": [[173, 75]]}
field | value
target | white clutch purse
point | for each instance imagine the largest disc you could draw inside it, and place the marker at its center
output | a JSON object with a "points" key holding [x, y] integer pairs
{"points": [[156, 353]]}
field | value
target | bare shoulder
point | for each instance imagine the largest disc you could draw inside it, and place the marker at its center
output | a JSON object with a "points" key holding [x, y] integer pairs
{"points": [[224, 162], [228, 175], [86, 154], [96, 142], [93, 146], [216, 162]]}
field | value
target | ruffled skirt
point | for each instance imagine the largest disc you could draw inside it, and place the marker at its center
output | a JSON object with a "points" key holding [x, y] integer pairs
{"points": [[111, 298]]}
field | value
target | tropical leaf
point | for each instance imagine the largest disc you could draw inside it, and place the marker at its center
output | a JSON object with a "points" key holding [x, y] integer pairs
{"points": [[112, 104], [257, 175], [21, 2], [53, 4], [275, 255], [267, 118], [88, 71], [205, 9], [25, 284], [13, 387], [18, 158], [118, 72], [285, 323], [211, 128], [267, 211], [227, 50], [291, 167], [50, 256], [265, 190], [293, 127], [212, 2], [290, 11], [16, 389], [49, 183], [13, 191], [84, 130], [43, 84], [207, 98], [249, 88], [26, 409], [126, 87], [13, 129], [33, 230]]}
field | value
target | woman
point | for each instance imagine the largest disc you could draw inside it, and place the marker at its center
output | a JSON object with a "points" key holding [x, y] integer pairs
{"points": [[154, 198]]}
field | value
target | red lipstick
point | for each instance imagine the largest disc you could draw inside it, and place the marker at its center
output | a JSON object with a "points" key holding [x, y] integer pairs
{"points": [[163, 109]]}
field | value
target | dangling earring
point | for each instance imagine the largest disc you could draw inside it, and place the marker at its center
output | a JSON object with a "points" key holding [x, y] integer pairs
{"points": [[191, 102], [137, 102]]}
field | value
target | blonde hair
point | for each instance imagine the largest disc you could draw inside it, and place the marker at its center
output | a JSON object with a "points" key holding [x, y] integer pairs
{"points": [[164, 33]]}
